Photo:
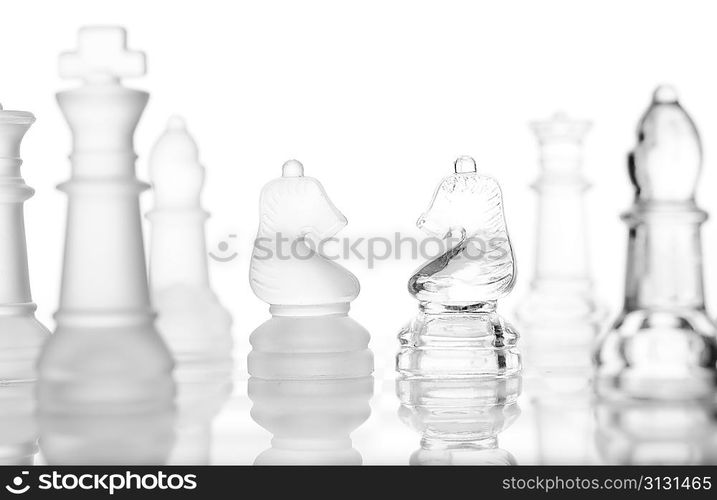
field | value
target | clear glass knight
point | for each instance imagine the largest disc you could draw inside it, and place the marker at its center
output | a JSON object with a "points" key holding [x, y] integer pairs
{"points": [[457, 330], [662, 345]]}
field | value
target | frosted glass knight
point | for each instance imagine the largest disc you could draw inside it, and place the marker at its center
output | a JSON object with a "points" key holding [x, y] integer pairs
{"points": [[662, 345], [191, 320], [458, 330], [105, 351], [287, 270], [560, 308], [21, 335], [310, 364]]}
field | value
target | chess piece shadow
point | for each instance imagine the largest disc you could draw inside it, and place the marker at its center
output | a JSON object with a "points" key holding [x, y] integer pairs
{"points": [[21, 335], [18, 426], [310, 386], [287, 269], [195, 326], [656, 432], [459, 418], [662, 345], [458, 291], [560, 310], [106, 348]]}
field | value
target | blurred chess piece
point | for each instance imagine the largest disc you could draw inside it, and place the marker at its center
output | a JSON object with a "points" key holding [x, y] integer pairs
{"points": [[459, 418], [18, 426], [657, 432], [21, 335], [287, 271], [106, 349], [86, 423], [662, 345], [560, 310], [310, 386], [458, 291], [195, 326]]}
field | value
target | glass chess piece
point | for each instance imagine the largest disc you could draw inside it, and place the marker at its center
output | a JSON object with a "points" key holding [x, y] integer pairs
{"points": [[459, 418], [662, 345], [560, 310], [458, 330], [310, 386], [21, 334], [195, 326], [105, 342], [287, 271], [310, 366]]}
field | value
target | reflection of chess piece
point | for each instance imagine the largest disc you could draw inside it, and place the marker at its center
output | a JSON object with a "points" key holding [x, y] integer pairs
{"points": [[200, 397], [90, 422], [194, 324], [459, 418], [105, 326], [663, 343], [657, 432], [287, 270], [18, 428], [560, 308], [458, 290], [21, 335], [310, 384], [561, 405]]}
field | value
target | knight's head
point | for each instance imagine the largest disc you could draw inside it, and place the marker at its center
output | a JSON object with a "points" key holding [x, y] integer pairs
{"points": [[666, 162], [298, 205], [464, 202]]}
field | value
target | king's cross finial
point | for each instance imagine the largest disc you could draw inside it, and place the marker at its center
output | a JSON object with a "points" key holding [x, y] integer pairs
{"points": [[102, 56]]}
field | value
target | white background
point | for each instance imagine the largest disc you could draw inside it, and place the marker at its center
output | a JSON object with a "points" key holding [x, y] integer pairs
{"points": [[376, 98]]}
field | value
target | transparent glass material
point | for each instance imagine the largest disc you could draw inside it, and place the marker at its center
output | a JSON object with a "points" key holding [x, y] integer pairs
{"points": [[662, 345], [478, 266], [457, 331], [287, 270], [656, 432], [459, 419], [310, 386], [561, 292]]}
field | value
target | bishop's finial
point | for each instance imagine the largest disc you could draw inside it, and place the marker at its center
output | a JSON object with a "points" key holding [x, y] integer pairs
{"points": [[102, 56], [174, 168], [666, 162], [292, 168], [465, 165]]}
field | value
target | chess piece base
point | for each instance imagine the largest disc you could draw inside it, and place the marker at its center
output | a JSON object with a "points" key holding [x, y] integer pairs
{"points": [[129, 367], [21, 340], [653, 355], [458, 344]]}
